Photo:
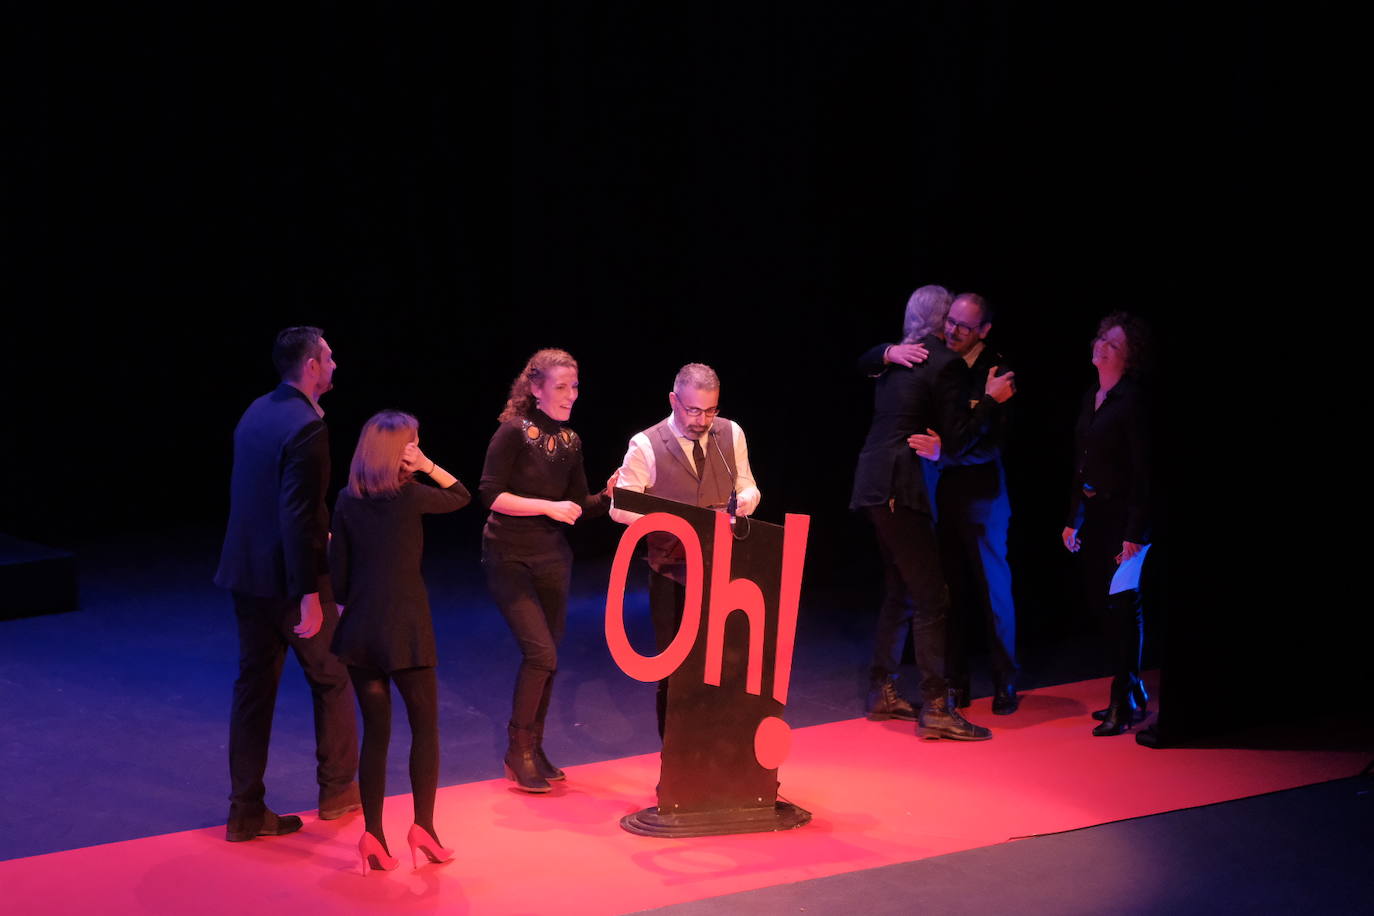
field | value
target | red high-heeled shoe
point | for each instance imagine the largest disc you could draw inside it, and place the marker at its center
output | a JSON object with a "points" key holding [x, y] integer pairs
{"points": [[419, 839], [372, 855]]}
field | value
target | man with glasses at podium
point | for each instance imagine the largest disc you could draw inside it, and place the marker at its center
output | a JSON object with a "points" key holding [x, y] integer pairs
{"points": [[692, 456]]}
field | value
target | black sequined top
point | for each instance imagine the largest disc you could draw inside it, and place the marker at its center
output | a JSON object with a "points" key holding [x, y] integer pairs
{"points": [[540, 458]]}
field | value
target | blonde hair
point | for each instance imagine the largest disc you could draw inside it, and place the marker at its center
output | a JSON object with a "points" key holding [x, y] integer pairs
{"points": [[376, 468], [925, 312], [521, 400]]}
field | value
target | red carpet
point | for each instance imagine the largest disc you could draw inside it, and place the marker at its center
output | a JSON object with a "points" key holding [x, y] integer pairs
{"points": [[879, 796]]}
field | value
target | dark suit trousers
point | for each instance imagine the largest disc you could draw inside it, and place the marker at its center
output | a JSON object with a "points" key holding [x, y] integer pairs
{"points": [[264, 634], [974, 516], [911, 558], [666, 601]]}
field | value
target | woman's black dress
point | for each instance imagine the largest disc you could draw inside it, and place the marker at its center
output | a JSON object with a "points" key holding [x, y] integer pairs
{"points": [[374, 561]]}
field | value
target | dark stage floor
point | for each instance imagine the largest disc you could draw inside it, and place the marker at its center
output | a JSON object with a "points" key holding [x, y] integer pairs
{"points": [[1299, 851]]}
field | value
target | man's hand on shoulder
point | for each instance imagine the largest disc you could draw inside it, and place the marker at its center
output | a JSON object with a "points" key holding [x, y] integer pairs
{"points": [[1000, 387], [906, 354]]}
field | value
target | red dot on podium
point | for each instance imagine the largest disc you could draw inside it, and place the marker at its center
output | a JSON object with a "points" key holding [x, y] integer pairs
{"points": [[772, 741]]}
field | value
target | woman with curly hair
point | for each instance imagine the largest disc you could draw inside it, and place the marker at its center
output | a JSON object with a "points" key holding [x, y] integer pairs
{"points": [[535, 485], [1109, 509], [385, 635]]}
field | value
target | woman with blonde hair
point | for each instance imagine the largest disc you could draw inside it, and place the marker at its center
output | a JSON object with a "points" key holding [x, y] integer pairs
{"points": [[535, 485], [386, 635]]}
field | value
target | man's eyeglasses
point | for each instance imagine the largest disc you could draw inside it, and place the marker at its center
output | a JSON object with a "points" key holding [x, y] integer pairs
{"points": [[698, 412], [951, 325]]}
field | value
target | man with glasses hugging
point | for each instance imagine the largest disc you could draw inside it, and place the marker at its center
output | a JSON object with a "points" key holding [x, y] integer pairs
{"points": [[692, 456], [973, 512]]}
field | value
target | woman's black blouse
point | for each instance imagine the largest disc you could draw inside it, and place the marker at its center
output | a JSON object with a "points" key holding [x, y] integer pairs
{"points": [[1112, 458], [374, 563], [539, 458]]}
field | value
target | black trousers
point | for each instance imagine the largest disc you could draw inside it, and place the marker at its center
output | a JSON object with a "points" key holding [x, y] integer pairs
{"points": [[667, 598], [974, 515], [1119, 617], [532, 594], [911, 561], [265, 632]]}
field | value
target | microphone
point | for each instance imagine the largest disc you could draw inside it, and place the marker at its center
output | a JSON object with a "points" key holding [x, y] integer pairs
{"points": [[733, 503]]}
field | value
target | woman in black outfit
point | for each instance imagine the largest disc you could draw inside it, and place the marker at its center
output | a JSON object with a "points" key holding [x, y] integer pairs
{"points": [[535, 485], [1108, 520], [386, 634]]}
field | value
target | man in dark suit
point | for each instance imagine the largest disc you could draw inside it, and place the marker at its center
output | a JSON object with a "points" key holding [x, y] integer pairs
{"points": [[973, 513], [890, 489], [274, 563]]}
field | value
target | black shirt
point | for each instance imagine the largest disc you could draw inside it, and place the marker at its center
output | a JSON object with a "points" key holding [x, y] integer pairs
{"points": [[539, 458], [1111, 458]]}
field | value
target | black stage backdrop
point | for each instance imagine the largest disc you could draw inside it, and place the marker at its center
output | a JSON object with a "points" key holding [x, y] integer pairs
{"points": [[445, 190]]}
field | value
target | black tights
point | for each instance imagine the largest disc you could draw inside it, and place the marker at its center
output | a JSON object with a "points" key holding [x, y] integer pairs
{"points": [[419, 690]]}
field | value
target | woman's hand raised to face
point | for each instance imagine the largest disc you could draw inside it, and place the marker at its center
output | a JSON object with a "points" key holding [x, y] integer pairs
{"points": [[412, 459]]}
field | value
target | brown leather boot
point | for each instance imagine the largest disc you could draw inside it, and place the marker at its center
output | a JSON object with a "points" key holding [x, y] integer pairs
{"points": [[884, 702], [520, 765], [541, 760], [940, 719]]}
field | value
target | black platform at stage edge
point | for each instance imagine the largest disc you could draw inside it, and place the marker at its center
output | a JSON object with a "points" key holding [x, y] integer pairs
{"points": [[711, 782], [35, 579]]}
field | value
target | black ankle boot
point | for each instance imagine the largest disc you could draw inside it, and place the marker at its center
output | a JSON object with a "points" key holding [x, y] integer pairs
{"points": [[520, 763], [1142, 699], [1005, 699], [541, 760], [940, 719], [884, 702], [1122, 713]]}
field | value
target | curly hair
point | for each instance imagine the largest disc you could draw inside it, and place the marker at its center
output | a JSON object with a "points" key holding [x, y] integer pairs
{"points": [[925, 312], [521, 400], [1137, 338]]}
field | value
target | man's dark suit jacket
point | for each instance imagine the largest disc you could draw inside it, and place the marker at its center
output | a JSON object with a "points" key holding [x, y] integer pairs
{"points": [[906, 401], [275, 546]]}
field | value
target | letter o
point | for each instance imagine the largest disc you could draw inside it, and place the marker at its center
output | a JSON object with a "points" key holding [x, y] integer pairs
{"points": [[650, 668]]}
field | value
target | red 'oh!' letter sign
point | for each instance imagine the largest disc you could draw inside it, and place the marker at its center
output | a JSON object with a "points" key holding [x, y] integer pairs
{"points": [[727, 596]]}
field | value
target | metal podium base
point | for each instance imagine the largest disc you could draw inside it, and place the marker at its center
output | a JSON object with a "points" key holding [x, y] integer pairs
{"points": [[649, 822]]}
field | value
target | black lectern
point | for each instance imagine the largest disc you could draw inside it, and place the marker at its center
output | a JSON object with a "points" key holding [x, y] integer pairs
{"points": [[728, 667]]}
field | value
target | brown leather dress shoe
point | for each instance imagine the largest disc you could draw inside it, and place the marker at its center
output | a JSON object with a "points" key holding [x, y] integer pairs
{"points": [[271, 824]]}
